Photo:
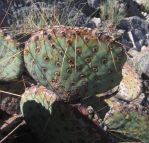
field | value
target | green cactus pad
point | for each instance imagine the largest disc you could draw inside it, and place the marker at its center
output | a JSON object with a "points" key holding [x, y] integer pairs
{"points": [[74, 61], [53, 121], [11, 58], [129, 125]]}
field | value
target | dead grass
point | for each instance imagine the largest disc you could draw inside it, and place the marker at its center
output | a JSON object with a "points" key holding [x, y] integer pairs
{"points": [[39, 17]]}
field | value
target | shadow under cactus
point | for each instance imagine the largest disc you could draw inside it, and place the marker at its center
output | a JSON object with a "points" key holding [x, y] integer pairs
{"points": [[10, 93], [9, 101], [61, 123]]}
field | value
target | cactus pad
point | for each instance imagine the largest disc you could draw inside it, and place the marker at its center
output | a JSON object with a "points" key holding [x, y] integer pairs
{"points": [[130, 86], [74, 61], [11, 58], [54, 121], [129, 125]]}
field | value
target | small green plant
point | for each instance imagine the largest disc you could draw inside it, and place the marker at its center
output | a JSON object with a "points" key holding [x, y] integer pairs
{"points": [[112, 12]]}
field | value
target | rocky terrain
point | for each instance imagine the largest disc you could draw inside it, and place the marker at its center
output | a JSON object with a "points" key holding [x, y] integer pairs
{"points": [[74, 71]]}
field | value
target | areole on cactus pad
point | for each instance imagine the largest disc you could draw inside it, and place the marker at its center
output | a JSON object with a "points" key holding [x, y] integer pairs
{"points": [[55, 121], [74, 62], [11, 58]]}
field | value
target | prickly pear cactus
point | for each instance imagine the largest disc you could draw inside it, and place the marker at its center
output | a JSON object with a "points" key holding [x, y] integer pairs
{"points": [[129, 125], [74, 61], [55, 121], [11, 58], [130, 87]]}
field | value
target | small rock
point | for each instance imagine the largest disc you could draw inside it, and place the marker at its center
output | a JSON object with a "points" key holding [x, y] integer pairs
{"points": [[140, 60], [96, 21], [144, 14]]}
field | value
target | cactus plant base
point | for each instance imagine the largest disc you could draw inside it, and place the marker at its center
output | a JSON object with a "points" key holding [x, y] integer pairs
{"points": [[55, 121]]}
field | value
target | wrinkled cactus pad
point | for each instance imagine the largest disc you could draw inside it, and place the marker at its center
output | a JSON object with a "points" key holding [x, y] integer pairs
{"points": [[74, 61], [11, 58], [54, 121], [131, 85], [129, 125]]}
